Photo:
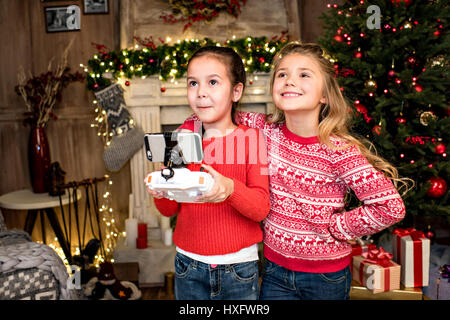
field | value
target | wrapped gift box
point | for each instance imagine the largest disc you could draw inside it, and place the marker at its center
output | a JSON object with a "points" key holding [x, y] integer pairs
{"points": [[376, 271], [359, 247], [412, 252]]}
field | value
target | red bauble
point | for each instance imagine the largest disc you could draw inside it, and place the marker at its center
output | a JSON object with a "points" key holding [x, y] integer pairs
{"points": [[163, 89], [438, 187], [412, 61], [127, 83], [357, 54], [439, 148], [391, 73]]}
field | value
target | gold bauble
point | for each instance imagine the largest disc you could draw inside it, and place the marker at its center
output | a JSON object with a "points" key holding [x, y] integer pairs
{"points": [[437, 61], [426, 117]]}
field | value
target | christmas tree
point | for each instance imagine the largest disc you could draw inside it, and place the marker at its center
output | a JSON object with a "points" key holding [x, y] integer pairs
{"points": [[391, 60]]}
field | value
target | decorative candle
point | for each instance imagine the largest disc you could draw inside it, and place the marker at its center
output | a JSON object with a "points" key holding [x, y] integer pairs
{"points": [[142, 230], [141, 243], [131, 230]]}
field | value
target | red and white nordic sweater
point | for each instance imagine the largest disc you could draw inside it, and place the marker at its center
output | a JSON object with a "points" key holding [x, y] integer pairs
{"points": [[306, 229]]}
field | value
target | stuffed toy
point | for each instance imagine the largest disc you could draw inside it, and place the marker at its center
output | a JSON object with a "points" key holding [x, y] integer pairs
{"points": [[107, 287], [127, 138]]}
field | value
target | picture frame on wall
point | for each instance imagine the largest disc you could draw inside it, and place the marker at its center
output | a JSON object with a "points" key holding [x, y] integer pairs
{"points": [[62, 18], [95, 6]]}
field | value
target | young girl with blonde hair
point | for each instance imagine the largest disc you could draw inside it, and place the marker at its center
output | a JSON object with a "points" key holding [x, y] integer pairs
{"points": [[313, 162]]}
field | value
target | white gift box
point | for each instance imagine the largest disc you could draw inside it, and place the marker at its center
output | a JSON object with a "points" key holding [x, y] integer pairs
{"points": [[412, 252]]}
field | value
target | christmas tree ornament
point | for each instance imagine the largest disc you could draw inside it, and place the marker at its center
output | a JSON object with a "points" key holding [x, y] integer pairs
{"points": [[430, 234], [376, 129], [438, 187], [426, 117], [127, 138], [360, 108], [439, 148], [163, 89], [411, 60], [437, 61]]}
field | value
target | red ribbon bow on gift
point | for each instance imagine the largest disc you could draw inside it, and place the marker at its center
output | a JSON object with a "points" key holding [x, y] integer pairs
{"points": [[378, 256], [412, 232]]}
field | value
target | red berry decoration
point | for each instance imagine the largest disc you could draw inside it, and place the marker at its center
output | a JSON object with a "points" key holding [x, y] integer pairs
{"points": [[438, 187], [391, 73], [376, 130], [439, 148], [357, 54], [361, 108]]}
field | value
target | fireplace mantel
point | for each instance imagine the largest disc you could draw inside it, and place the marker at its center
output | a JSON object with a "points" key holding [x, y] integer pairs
{"points": [[155, 104]]}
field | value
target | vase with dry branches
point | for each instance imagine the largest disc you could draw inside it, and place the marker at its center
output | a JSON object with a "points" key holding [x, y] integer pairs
{"points": [[41, 93]]}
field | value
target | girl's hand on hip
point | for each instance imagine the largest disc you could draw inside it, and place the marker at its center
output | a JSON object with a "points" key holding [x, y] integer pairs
{"points": [[223, 187]]}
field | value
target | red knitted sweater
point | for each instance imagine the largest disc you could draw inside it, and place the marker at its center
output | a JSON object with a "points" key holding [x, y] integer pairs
{"points": [[231, 225]]}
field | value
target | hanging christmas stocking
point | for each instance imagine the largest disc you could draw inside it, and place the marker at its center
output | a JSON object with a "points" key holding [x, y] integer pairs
{"points": [[127, 138]]}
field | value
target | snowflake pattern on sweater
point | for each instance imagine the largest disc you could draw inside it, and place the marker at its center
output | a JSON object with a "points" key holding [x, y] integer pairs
{"points": [[306, 228]]}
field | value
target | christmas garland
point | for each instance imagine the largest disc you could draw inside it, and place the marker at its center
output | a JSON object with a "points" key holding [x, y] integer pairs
{"points": [[194, 11], [170, 61]]}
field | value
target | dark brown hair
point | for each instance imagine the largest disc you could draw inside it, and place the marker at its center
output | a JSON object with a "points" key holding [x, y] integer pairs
{"points": [[233, 63]]}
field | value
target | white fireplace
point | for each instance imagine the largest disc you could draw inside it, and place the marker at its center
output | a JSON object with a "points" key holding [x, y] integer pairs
{"points": [[156, 106]]}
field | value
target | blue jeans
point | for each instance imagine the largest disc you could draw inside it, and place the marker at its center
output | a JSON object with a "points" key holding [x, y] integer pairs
{"points": [[195, 280], [279, 283]]}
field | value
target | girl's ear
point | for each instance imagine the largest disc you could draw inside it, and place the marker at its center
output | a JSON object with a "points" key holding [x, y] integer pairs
{"points": [[237, 92], [323, 100]]}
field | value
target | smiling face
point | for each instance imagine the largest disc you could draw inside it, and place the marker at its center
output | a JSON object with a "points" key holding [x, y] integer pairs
{"points": [[298, 85], [210, 91]]}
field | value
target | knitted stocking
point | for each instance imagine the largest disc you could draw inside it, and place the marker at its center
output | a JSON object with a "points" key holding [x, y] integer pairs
{"points": [[127, 138]]}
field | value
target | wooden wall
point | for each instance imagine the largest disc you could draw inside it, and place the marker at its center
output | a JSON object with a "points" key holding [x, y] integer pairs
{"points": [[73, 143]]}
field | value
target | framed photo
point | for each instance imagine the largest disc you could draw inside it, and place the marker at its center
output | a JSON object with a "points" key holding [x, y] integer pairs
{"points": [[63, 18], [95, 6]]}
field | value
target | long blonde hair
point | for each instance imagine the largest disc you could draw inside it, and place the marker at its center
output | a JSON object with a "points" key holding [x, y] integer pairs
{"points": [[334, 116]]}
